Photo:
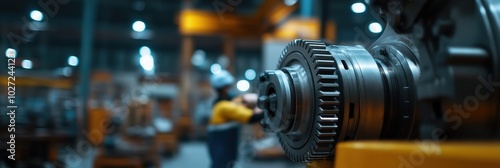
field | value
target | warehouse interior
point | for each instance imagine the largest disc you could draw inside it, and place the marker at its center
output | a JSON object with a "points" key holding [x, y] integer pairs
{"points": [[148, 62], [128, 83]]}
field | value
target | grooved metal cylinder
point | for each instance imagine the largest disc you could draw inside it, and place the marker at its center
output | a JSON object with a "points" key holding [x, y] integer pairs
{"points": [[320, 95]]}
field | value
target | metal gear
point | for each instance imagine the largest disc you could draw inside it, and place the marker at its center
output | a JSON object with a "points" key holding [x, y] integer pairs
{"points": [[321, 95], [311, 70]]}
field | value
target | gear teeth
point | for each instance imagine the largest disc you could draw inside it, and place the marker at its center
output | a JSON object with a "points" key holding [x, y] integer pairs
{"points": [[329, 111], [328, 77], [319, 51], [328, 127], [328, 85], [322, 56], [324, 69], [324, 63], [323, 103], [327, 119], [326, 135], [332, 94], [325, 141]]}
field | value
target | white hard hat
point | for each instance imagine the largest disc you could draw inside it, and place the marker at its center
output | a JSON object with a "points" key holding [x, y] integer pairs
{"points": [[221, 79]]}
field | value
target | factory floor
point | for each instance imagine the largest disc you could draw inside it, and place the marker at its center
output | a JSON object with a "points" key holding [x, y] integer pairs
{"points": [[195, 154], [191, 154]]}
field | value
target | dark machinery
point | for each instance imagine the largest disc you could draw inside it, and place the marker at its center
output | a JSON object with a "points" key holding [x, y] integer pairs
{"points": [[434, 73]]}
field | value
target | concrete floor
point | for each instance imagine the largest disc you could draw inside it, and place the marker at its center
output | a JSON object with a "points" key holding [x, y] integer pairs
{"points": [[195, 154], [190, 155]]}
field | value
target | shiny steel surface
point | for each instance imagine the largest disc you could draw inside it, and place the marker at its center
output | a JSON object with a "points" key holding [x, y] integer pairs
{"points": [[361, 76], [419, 79], [331, 94]]}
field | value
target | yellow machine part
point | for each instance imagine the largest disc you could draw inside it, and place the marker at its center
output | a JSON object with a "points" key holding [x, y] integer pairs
{"points": [[383, 154]]}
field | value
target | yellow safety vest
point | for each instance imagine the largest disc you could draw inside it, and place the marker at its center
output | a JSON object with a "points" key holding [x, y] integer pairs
{"points": [[226, 111]]}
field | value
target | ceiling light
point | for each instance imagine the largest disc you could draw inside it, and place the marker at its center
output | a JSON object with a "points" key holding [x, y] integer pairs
{"points": [[375, 27], [73, 60], [358, 7], [145, 51], [139, 26], [27, 64], [250, 74], [36, 15], [243, 85], [11, 53], [147, 62]]}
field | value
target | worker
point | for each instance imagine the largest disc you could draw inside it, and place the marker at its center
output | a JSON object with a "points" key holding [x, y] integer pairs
{"points": [[228, 113]]}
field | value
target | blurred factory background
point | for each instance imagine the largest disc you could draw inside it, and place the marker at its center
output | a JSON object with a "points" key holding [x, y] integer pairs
{"points": [[84, 68]]}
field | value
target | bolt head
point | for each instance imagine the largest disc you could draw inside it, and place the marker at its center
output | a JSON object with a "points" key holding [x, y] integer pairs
{"points": [[262, 77], [263, 102]]}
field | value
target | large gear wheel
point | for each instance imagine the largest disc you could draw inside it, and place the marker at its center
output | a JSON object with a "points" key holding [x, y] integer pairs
{"points": [[321, 95], [312, 71]]}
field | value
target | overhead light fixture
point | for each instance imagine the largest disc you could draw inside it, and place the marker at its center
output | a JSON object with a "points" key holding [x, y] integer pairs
{"points": [[11, 53], [243, 85], [139, 26], [36, 15], [145, 51], [27, 64], [215, 69], [358, 7], [375, 27], [250, 74], [147, 62], [72, 60]]}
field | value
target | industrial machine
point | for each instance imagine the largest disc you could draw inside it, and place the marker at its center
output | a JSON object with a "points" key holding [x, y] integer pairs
{"points": [[434, 74]]}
